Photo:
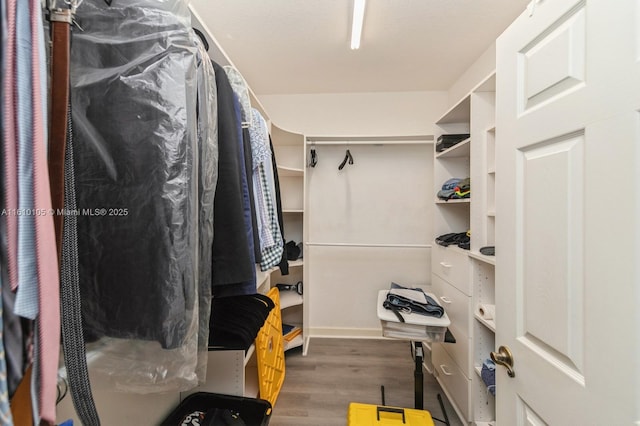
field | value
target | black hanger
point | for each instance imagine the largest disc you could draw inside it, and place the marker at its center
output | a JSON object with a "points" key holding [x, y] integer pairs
{"points": [[203, 38], [314, 158], [347, 156]]}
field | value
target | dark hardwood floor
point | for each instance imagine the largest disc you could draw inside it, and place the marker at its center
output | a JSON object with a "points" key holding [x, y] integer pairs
{"points": [[319, 387]]}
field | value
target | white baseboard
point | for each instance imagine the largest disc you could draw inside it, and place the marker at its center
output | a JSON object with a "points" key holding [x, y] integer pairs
{"points": [[351, 333]]}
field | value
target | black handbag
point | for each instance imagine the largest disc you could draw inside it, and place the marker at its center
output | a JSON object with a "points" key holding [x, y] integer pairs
{"points": [[411, 300]]}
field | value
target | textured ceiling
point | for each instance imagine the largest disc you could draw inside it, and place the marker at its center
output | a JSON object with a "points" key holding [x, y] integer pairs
{"points": [[302, 46]]}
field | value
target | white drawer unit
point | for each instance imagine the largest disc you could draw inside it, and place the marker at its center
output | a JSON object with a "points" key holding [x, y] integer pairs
{"points": [[459, 309], [452, 264], [455, 384], [456, 304]]}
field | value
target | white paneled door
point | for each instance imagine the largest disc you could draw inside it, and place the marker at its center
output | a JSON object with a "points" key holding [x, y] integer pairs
{"points": [[568, 214]]}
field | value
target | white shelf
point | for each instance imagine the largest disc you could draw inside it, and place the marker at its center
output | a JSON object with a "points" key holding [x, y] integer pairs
{"points": [[293, 211], [296, 263], [491, 171], [289, 298], [491, 260], [478, 370], [454, 201], [490, 324], [295, 343], [290, 171], [461, 149], [459, 113]]}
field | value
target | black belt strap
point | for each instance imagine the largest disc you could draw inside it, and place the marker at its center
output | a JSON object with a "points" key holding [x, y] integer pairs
{"points": [[75, 357]]}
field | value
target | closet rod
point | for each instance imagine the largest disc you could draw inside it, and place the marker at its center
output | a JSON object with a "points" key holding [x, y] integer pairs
{"points": [[369, 245], [370, 140], [346, 142]]}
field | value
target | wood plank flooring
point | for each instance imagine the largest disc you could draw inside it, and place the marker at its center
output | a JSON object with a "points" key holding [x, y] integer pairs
{"points": [[319, 387]]}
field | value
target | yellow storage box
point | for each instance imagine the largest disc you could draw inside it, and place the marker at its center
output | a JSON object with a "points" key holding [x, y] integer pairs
{"points": [[270, 352], [376, 415]]}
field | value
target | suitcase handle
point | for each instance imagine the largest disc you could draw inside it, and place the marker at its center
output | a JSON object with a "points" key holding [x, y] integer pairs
{"points": [[390, 410]]}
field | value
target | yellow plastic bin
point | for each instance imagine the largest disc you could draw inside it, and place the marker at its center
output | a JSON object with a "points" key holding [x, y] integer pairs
{"points": [[377, 415], [270, 352]]}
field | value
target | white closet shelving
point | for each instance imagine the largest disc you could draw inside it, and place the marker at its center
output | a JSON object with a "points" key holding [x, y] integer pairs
{"points": [[289, 150], [464, 279]]}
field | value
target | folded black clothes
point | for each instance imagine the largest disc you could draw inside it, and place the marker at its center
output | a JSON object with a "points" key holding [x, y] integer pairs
{"points": [[453, 238], [236, 320], [412, 300], [293, 250]]}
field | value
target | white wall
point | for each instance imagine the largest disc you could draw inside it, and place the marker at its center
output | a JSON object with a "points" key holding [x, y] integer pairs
{"points": [[350, 114], [481, 67]]}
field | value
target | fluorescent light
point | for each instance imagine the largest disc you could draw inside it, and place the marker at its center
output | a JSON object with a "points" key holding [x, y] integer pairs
{"points": [[358, 19]]}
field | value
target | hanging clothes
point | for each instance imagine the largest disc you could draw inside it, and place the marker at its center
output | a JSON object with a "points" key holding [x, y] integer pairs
{"points": [[271, 240], [241, 90], [136, 140], [207, 180], [231, 258], [284, 262]]}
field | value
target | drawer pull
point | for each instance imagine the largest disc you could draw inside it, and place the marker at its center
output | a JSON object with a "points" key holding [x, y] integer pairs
{"points": [[444, 370], [445, 265], [445, 299]]}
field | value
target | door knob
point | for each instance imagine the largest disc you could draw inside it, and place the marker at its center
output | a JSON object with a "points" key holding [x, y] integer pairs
{"points": [[504, 358]]}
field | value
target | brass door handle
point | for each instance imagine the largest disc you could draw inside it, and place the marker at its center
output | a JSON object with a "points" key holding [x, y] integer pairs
{"points": [[504, 358]]}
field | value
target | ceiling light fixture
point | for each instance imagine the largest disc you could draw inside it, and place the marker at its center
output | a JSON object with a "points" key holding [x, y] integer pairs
{"points": [[358, 20]]}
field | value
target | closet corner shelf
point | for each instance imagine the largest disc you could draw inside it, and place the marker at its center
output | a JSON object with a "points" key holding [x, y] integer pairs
{"points": [[491, 129], [461, 149], [289, 298], [491, 171], [290, 171], [491, 260], [292, 210], [459, 113], [295, 343], [454, 201], [491, 213], [478, 371], [296, 263], [490, 324], [485, 423]]}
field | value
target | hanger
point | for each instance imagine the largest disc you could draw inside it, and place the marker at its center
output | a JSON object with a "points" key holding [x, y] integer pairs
{"points": [[314, 158], [347, 156], [202, 37]]}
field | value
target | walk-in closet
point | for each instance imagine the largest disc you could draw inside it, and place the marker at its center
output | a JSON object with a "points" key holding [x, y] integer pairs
{"points": [[330, 213]]}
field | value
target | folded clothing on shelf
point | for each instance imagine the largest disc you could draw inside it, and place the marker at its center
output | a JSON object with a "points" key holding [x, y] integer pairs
{"points": [[455, 188], [447, 141], [460, 239], [488, 374], [236, 320]]}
